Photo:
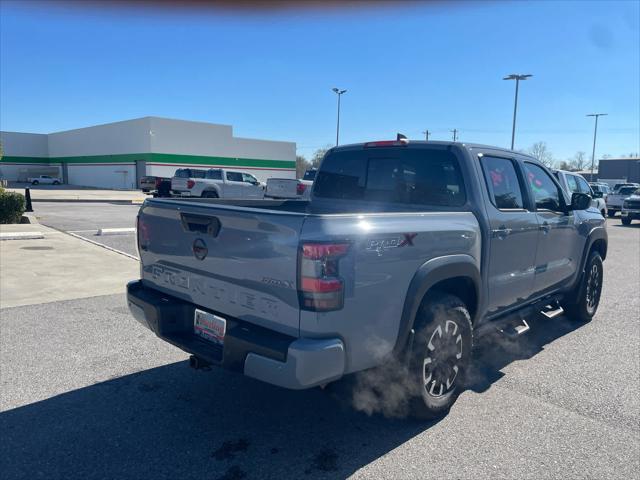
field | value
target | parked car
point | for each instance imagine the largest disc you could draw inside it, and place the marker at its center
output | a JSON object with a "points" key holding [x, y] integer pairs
{"points": [[287, 188], [310, 175], [151, 184], [631, 208], [219, 183], [44, 180], [618, 186], [615, 199], [600, 190], [573, 182], [405, 252]]}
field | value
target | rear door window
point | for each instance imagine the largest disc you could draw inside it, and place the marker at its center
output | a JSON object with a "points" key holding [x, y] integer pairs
{"points": [[393, 175], [502, 182], [214, 174]]}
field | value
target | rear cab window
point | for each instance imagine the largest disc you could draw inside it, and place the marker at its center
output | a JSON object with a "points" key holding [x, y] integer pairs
{"points": [[401, 176]]}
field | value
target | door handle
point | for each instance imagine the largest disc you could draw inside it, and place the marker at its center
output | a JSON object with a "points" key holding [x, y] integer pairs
{"points": [[545, 227], [501, 232]]}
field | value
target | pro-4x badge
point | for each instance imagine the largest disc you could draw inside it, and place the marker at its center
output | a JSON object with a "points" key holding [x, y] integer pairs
{"points": [[380, 245]]}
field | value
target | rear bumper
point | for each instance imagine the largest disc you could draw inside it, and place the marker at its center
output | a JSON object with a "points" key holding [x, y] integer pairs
{"points": [[260, 353]]}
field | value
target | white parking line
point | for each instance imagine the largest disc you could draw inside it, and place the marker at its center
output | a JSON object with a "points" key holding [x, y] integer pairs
{"points": [[116, 231]]}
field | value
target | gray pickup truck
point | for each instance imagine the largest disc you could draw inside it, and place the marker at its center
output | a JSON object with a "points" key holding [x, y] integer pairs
{"points": [[405, 251]]}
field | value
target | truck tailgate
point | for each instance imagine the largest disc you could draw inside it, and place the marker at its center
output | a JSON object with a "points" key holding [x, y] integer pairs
{"points": [[282, 188], [235, 261]]}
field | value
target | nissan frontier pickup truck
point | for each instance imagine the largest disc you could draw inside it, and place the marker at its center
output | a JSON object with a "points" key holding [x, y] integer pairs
{"points": [[405, 252]]}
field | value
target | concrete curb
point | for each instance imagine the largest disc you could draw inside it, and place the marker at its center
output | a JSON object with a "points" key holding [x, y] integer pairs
{"points": [[115, 250], [87, 200]]}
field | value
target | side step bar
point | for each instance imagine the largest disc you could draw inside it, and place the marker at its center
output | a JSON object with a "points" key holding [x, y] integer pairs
{"points": [[514, 331], [515, 324], [552, 310]]}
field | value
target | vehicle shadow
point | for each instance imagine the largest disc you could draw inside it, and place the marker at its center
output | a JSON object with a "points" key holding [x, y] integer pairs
{"points": [[174, 422], [495, 351]]}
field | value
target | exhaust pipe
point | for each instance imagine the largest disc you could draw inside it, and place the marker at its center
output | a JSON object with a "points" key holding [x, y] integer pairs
{"points": [[198, 363]]}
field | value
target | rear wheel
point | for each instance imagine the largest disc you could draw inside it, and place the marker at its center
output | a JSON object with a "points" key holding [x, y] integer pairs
{"points": [[626, 220], [584, 304], [209, 194], [441, 354]]}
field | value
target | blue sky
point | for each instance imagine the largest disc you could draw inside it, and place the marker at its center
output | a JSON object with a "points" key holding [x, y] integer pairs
{"points": [[407, 68]]}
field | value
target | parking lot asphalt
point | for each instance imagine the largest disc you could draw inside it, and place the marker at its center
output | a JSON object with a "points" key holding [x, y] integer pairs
{"points": [[87, 393], [85, 219]]}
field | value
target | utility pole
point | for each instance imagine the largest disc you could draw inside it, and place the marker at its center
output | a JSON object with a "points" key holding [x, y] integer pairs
{"points": [[595, 133], [339, 93], [517, 78], [426, 135], [455, 134]]}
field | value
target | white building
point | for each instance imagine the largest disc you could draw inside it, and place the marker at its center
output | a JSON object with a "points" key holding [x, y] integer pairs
{"points": [[117, 155]]}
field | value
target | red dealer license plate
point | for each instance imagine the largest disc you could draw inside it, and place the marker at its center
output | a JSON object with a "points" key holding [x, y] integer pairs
{"points": [[209, 326]]}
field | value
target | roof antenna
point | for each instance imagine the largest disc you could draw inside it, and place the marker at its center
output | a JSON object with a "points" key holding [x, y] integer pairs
{"points": [[402, 138]]}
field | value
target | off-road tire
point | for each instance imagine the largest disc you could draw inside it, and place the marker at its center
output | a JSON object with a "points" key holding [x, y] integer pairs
{"points": [[209, 194], [440, 355], [582, 306]]}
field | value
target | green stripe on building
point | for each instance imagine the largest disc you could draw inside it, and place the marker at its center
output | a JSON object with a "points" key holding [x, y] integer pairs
{"points": [[157, 158]]}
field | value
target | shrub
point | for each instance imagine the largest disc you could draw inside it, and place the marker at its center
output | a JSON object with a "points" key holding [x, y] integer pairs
{"points": [[12, 207]]}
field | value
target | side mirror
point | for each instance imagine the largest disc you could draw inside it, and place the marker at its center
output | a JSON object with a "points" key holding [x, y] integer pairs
{"points": [[580, 201]]}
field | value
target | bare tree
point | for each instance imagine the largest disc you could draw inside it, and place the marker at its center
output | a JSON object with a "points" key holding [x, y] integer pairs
{"points": [[540, 151], [318, 156], [564, 165], [302, 165], [579, 161]]}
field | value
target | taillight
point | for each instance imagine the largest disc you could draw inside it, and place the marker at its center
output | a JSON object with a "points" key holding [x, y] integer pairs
{"points": [[300, 188], [142, 231], [190, 183], [321, 288]]}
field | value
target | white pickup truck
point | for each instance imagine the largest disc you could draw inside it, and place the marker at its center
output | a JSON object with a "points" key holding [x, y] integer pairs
{"points": [[218, 183], [45, 180], [616, 199], [291, 188]]}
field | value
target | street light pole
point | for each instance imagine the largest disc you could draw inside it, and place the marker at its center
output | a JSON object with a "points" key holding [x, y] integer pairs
{"points": [[517, 78], [595, 133], [426, 135], [339, 93]]}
